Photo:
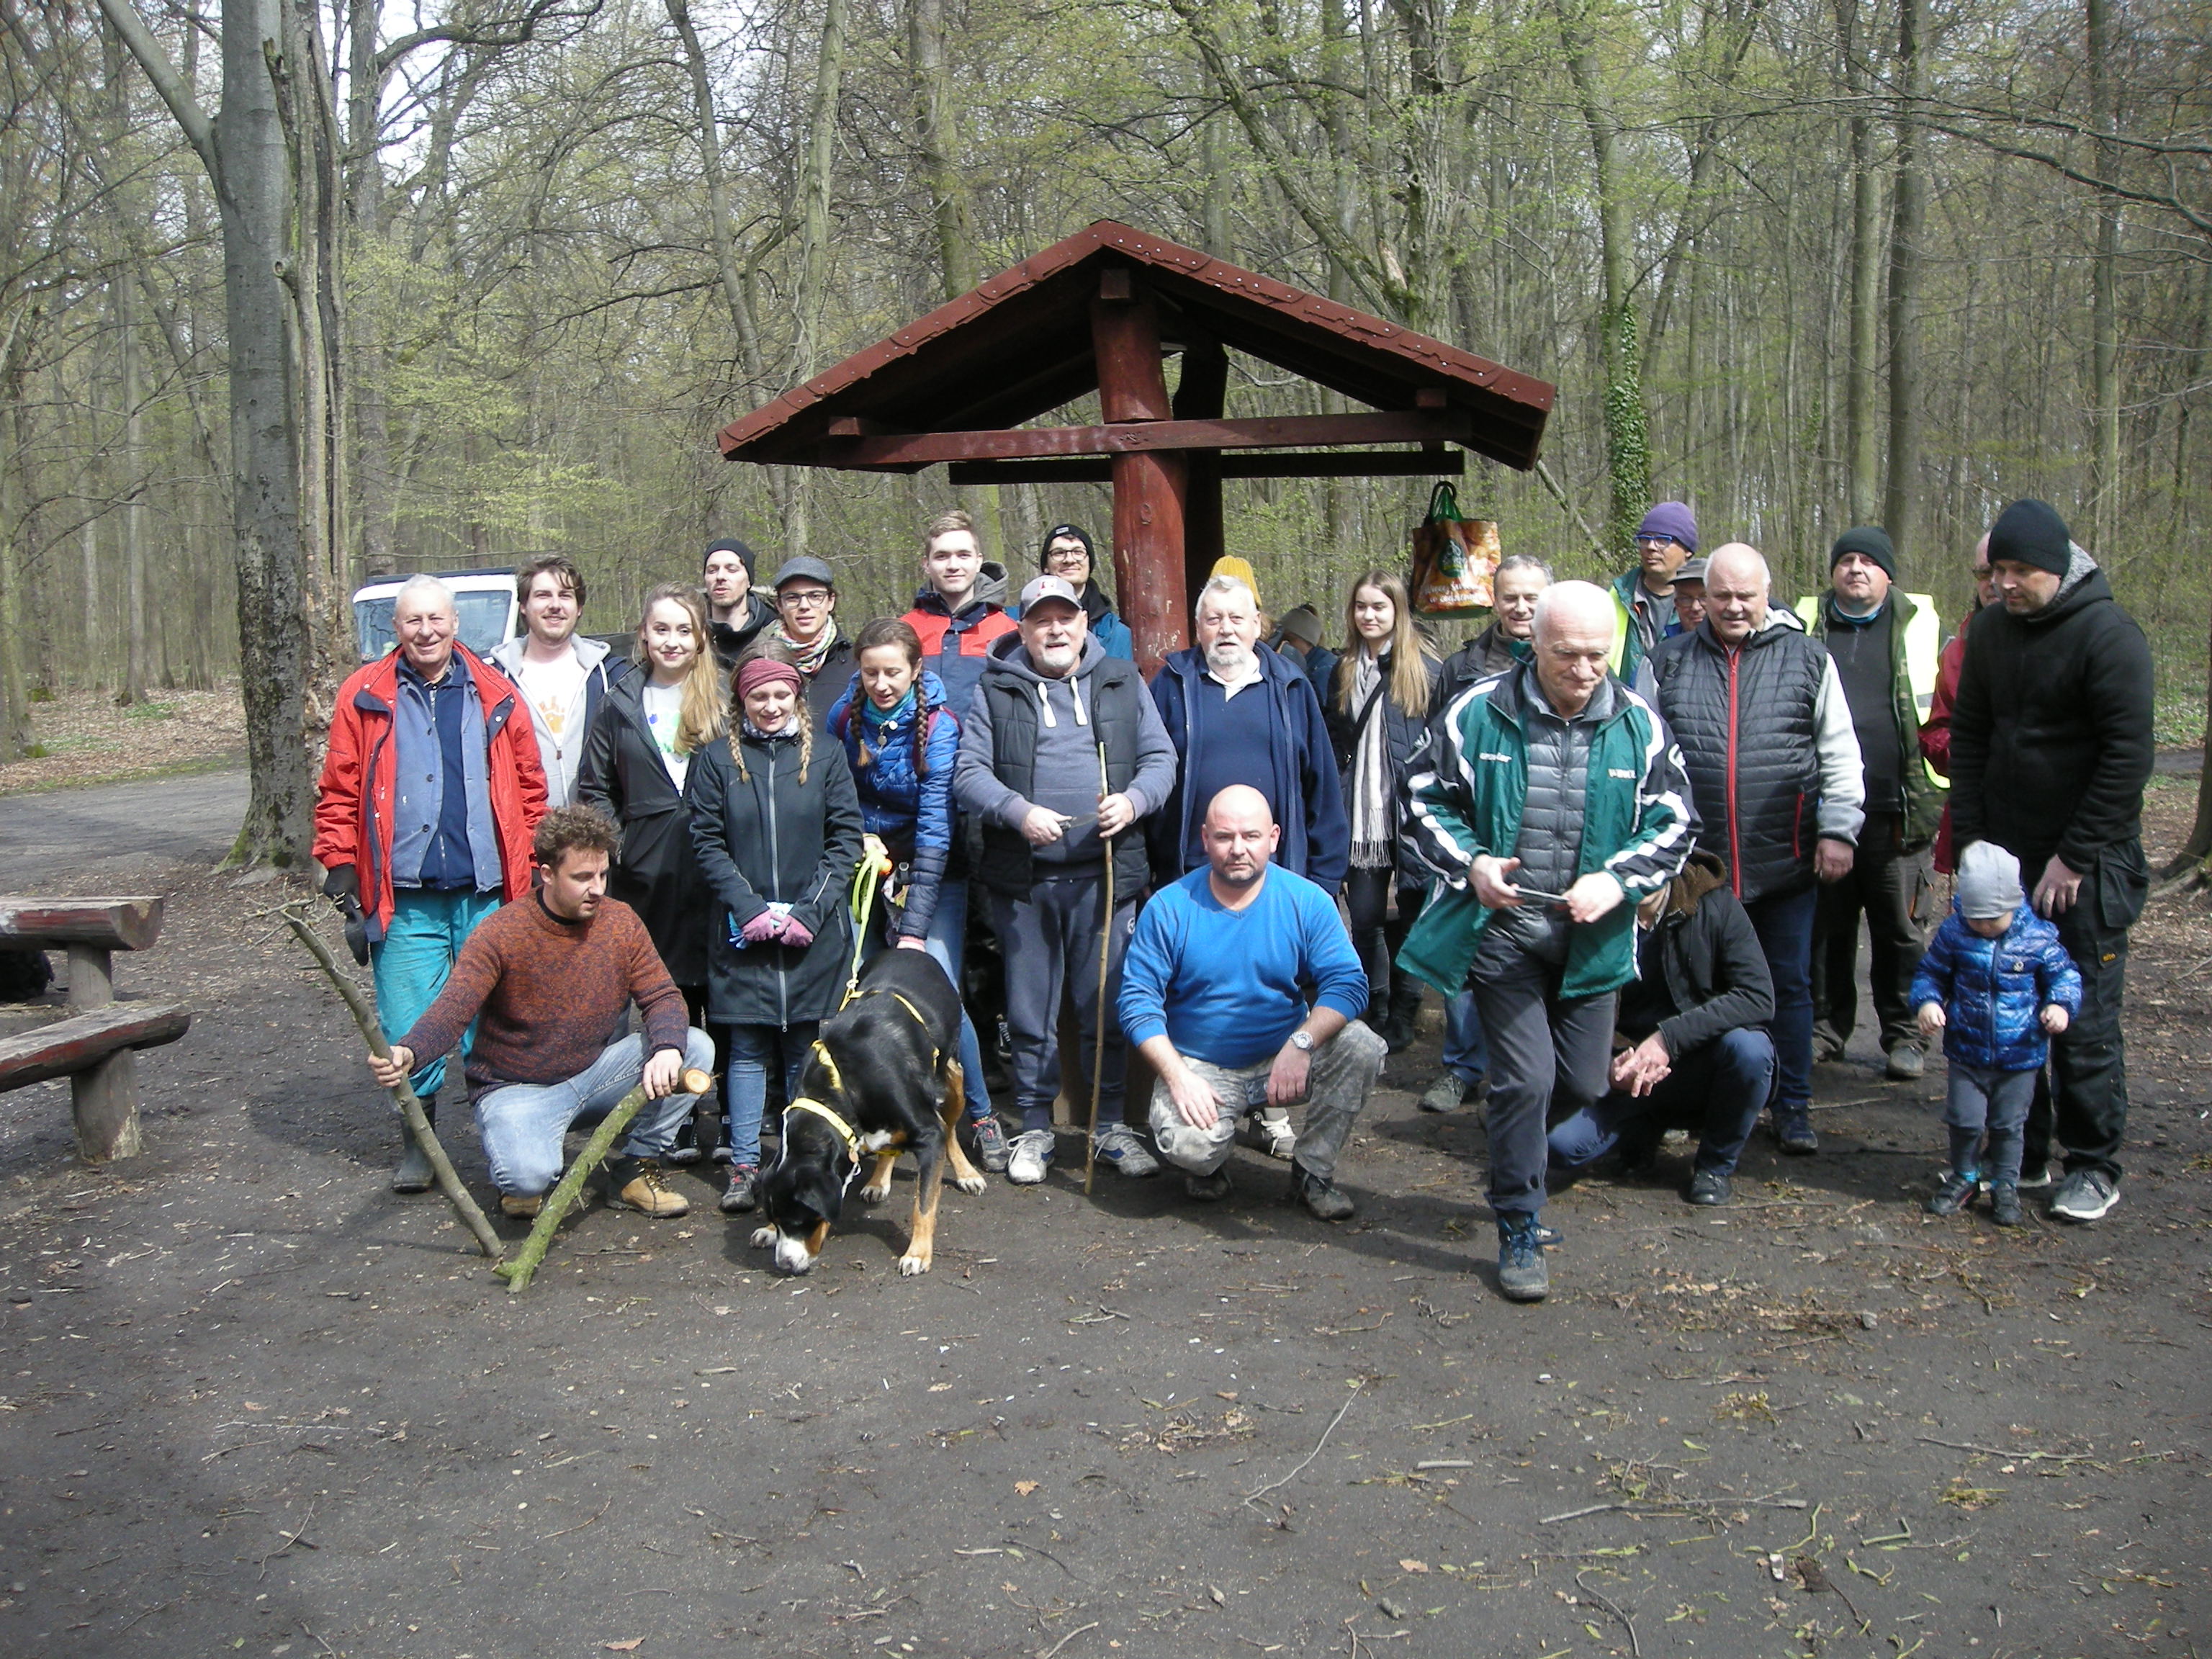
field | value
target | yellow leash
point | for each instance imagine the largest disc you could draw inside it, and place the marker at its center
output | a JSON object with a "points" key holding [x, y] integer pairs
{"points": [[866, 878]]}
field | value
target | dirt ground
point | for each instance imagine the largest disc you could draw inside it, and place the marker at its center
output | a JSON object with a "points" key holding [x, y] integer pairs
{"points": [[254, 1403], [84, 737]]}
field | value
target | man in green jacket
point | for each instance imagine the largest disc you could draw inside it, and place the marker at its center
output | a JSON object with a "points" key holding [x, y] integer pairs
{"points": [[1886, 645], [1549, 796]]}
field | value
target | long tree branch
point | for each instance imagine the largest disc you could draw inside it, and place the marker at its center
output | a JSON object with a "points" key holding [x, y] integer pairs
{"points": [[191, 120]]}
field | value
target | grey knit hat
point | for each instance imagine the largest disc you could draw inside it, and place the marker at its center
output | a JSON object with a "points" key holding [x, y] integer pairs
{"points": [[1988, 882]]}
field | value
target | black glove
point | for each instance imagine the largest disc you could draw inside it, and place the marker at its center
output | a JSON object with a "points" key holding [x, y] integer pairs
{"points": [[341, 886], [357, 936]]}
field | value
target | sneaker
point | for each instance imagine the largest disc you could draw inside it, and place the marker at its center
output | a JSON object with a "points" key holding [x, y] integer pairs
{"points": [[1324, 1199], [1447, 1094], [1956, 1193], [636, 1184], [1206, 1188], [1521, 1274], [522, 1206], [1709, 1187], [1277, 1138], [696, 1134], [743, 1193], [2043, 1177], [1794, 1130], [993, 1149], [1031, 1157], [1907, 1063], [2004, 1205], [1124, 1149], [2085, 1195]]}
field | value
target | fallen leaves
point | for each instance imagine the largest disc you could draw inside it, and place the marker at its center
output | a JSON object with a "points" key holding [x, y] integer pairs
{"points": [[631, 1645], [1025, 1487]]}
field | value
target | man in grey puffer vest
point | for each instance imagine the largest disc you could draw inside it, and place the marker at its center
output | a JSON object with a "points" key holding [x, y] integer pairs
{"points": [[1061, 752], [1774, 767]]}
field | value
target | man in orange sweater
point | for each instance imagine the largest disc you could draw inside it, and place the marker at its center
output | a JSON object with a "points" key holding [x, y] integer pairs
{"points": [[546, 979]]}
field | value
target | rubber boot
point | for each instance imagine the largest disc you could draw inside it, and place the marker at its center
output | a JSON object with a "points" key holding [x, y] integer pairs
{"points": [[414, 1174], [1404, 1019]]}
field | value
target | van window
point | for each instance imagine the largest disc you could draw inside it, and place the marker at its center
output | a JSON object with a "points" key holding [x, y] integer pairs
{"points": [[483, 617]]}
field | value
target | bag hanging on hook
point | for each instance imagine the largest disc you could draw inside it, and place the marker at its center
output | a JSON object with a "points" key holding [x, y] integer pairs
{"points": [[1454, 559]]}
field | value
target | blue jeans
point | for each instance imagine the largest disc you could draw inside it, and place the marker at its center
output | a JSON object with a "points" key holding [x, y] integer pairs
{"points": [[414, 959], [946, 942], [1466, 1052], [753, 1049], [521, 1124], [1784, 923], [1717, 1088]]}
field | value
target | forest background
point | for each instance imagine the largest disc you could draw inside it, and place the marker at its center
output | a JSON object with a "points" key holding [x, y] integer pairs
{"points": [[292, 289]]}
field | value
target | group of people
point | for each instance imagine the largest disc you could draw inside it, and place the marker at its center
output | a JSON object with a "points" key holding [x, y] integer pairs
{"points": [[1628, 833]]}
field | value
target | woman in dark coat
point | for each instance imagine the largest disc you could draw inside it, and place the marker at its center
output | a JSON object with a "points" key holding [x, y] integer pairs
{"points": [[777, 828], [1377, 712]]}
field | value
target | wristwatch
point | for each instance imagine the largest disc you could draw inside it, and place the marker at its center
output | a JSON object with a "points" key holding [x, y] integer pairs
{"points": [[1301, 1040]]}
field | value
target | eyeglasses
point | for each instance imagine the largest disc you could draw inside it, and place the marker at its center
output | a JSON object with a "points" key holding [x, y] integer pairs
{"points": [[804, 599], [1654, 541], [1982, 573]]}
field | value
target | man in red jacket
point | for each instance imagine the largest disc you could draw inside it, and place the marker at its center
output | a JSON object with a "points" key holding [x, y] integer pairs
{"points": [[957, 629], [431, 789]]}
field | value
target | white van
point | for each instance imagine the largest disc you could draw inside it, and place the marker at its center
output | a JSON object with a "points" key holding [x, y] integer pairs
{"points": [[490, 614]]}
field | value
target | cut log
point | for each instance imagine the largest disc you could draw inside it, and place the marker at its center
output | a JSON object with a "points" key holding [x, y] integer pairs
{"points": [[83, 1041], [117, 924]]}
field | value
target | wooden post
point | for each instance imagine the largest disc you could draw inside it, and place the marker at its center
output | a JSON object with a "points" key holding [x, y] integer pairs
{"points": [[1148, 485], [103, 1097], [1201, 394]]}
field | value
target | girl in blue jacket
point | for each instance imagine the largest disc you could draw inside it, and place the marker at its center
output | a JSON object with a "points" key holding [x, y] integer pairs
{"points": [[1997, 982], [901, 742]]}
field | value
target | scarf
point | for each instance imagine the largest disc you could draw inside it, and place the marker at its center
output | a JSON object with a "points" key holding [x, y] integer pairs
{"points": [[808, 658], [1371, 828]]}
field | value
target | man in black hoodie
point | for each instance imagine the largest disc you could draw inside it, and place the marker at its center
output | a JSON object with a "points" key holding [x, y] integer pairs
{"points": [[1691, 1045], [2050, 747]]}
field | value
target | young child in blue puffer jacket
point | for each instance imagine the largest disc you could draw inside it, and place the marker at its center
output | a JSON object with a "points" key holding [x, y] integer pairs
{"points": [[1995, 981]]}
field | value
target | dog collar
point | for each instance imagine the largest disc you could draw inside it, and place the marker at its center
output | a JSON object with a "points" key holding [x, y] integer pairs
{"points": [[844, 1130]]}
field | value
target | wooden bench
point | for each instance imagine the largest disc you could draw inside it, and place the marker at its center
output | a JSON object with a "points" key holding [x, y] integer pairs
{"points": [[96, 1048]]}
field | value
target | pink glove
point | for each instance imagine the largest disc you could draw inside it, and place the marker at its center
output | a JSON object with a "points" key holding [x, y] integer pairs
{"points": [[797, 934], [762, 927]]}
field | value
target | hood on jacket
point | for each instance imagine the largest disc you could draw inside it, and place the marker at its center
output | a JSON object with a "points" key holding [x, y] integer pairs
{"points": [[590, 651], [2084, 583], [1702, 872], [1008, 657]]}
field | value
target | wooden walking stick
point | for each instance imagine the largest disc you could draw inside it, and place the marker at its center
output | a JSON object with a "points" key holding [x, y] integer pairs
{"points": [[1105, 955], [570, 1187], [410, 1108]]}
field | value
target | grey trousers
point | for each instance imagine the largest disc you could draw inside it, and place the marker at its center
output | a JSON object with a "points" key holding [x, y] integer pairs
{"points": [[1344, 1070], [1549, 1055], [1050, 941]]}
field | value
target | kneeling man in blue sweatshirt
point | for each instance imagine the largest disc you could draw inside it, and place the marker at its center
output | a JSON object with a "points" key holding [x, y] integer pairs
{"points": [[1211, 993]]}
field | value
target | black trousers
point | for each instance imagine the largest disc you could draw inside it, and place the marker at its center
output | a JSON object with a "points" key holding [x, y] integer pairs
{"points": [[2086, 1098], [1890, 886], [1374, 934]]}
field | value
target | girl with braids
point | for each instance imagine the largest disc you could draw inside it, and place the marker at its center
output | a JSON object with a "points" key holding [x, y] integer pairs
{"points": [[1377, 712], [902, 741], [636, 757], [777, 828]]}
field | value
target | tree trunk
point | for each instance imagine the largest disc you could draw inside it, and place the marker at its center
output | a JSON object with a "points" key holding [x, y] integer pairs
{"points": [[1900, 509], [935, 134], [1861, 449], [2105, 325], [814, 240], [124, 293]]}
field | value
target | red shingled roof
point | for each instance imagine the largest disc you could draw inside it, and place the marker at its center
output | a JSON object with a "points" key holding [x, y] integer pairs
{"points": [[1020, 345]]}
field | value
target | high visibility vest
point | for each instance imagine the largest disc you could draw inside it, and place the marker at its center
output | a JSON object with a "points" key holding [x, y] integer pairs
{"points": [[1923, 656]]}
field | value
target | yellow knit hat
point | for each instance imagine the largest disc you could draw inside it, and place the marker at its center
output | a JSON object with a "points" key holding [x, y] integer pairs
{"points": [[1230, 565]]}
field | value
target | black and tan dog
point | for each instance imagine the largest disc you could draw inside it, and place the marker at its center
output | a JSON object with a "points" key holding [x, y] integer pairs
{"points": [[883, 1078]]}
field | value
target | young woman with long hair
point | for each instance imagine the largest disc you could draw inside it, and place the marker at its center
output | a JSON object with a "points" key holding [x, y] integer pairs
{"points": [[901, 740], [1379, 713], [777, 828]]}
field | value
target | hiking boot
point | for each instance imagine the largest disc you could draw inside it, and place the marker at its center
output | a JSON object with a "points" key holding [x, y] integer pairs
{"points": [[1206, 1188], [1447, 1094], [636, 1184], [1521, 1274], [1907, 1063], [1956, 1193], [1124, 1149], [1276, 1137], [522, 1206], [2085, 1195], [1324, 1199], [2004, 1205], [414, 1174], [743, 1193], [1794, 1131], [993, 1149], [1031, 1157], [1708, 1187]]}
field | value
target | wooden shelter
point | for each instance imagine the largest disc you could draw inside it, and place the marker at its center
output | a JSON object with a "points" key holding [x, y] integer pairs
{"points": [[1101, 311]]}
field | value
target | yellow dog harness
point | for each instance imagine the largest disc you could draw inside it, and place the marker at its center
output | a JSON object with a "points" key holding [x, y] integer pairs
{"points": [[820, 1050]]}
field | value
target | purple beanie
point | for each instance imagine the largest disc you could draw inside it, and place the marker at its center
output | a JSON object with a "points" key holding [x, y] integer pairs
{"points": [[1673, 520]]}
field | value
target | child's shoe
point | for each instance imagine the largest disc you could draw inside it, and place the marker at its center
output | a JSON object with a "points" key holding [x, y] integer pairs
{"points": [[1956, 1193], [2004, 1204]]}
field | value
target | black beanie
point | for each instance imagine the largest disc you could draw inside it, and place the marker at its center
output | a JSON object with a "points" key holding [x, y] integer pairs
{"points": [[1075, 530], [1871, 540], [730, 545], [2030, 531]]}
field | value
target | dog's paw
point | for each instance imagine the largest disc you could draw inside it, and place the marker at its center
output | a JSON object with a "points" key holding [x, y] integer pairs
{"points": [[764, 1237], [971, 1184], [911, 1264], [875, 1194]]}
